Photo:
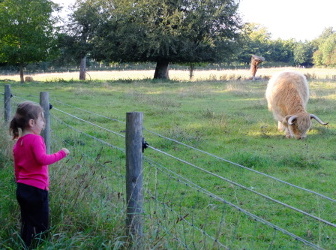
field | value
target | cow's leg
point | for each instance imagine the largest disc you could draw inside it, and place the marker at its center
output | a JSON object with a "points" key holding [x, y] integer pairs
{"points": [[281, 127], [288, 133]]}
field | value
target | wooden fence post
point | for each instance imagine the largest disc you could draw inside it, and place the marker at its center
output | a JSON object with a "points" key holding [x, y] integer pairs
{"points": [[7, 103], [134, 175], [44, 102]]}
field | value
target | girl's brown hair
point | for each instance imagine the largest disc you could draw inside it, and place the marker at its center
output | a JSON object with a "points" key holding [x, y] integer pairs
{"points": [[25, 111]]}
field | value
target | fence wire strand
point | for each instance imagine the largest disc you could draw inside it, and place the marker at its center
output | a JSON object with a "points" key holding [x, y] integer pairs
{"points": [[153, 196], [92, 137], [90, 157], [190, 223], [245, 188], [241, 166], [91, 123], [88, 111], [253, 216]]}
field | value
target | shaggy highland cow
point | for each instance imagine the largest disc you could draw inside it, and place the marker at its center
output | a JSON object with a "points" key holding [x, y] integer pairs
{"points": [[287, 96]]}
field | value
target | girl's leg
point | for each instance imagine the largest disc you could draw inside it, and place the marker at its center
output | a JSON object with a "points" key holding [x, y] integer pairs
{"points": [[34, 212]]}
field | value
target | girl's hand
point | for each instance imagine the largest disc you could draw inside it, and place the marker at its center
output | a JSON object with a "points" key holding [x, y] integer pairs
{"points": [[66, 151]]}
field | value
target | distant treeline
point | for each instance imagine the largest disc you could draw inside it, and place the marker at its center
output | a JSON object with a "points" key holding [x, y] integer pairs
{"points": [[34, 37]]}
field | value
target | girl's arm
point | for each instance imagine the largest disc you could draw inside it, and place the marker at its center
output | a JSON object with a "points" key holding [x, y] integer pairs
{"points": [[39, 150]]}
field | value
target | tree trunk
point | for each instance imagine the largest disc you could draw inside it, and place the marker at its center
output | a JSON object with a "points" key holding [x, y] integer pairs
{"points": [[161, 70], [21, 73], [82, 69], [191, 71]]}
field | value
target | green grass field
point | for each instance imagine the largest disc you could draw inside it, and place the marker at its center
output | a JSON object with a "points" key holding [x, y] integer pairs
{"points": [[195, 199]]}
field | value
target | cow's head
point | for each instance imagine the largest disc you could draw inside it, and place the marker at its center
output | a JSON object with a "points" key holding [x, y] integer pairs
{"points": [[298, 125]]}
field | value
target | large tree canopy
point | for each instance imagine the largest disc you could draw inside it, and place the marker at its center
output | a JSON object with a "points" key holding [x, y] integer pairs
{"points": [[166, 31], [26, 31], [325, 55]]}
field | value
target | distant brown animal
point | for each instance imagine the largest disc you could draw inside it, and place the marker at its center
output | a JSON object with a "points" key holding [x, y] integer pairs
{"points": [[287, 96], [255, 61], [29, 79]]}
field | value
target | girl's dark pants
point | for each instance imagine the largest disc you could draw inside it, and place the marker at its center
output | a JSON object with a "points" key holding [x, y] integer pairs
{"points": [[34, 204]]}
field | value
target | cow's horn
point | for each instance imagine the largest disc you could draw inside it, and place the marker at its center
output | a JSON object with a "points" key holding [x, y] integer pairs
{"points": [[291, 119], [317, 119]]}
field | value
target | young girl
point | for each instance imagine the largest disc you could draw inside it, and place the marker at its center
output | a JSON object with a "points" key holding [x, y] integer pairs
{"points": [[31, 169]]}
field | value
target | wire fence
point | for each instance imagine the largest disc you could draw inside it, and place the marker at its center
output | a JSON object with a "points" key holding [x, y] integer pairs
{"points": [[193, 198]]}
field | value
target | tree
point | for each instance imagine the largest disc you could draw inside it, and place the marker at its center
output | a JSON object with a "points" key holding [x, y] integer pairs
{"points": [[328, 49], [282, 51], [255, 41], [303, 54], [26, 32], [166, 31], [75, 44], [325, 55]]}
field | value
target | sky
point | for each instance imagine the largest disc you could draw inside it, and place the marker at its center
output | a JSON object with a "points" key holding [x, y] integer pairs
{"points": [[299, 19]]}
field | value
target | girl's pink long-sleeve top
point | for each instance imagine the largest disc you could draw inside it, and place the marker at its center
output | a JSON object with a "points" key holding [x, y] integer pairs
{"points": [[31, 161]]}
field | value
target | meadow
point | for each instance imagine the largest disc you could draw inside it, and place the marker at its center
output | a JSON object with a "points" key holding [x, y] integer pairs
{"points": [[225, 186], [175, 75]]}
